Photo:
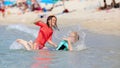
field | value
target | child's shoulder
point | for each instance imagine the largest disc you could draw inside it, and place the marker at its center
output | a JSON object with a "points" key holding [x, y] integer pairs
{"points": [[64, 41]]}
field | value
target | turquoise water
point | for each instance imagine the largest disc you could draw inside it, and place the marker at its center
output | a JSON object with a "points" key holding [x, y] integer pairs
{"points": [[103, 52]]}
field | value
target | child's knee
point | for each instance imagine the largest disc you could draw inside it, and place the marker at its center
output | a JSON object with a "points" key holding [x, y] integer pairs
{"points": [[18, 40]]}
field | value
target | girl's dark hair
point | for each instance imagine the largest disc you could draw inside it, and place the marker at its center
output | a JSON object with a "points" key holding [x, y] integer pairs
{"points": [[49, 18]]}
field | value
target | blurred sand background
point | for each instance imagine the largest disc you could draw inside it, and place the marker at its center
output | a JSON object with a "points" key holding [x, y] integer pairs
{"points": [[85, 15]]}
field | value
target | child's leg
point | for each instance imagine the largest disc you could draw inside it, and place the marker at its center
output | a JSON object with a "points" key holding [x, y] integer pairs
{"points": [[24, 43], [31, 44], [35, 47]]}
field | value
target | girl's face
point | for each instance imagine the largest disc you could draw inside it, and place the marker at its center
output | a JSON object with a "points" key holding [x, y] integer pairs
{"points": [[53, 22]]}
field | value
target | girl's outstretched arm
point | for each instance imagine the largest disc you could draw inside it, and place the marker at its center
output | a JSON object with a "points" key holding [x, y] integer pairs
{"points": [[52, 43]]}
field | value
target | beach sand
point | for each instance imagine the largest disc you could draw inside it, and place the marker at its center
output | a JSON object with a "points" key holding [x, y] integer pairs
{"points": [[85, 15]]}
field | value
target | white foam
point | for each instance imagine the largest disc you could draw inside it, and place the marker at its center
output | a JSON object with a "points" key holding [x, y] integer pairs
{"points": [[23, 28], [81, 47], [16, 45], [81, 43]]}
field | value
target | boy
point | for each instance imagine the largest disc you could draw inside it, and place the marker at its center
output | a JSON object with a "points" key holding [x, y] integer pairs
{"points": [[66, 44]]}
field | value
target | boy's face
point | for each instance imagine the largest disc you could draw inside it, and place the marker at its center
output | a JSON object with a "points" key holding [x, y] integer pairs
{"points": [[74, 37]]}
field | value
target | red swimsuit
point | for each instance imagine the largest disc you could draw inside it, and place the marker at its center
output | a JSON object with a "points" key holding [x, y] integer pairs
{"points": [[45, 34]]}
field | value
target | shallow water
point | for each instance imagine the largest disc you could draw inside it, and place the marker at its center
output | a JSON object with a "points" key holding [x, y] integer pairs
{"points": [[103, 52]]}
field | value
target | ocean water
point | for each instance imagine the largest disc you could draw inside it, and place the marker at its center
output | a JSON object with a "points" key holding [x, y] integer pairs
{"points": [[103, 51]]}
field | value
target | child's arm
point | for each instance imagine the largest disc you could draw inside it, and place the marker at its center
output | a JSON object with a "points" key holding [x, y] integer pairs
{"points": [[52, 43], [69, 44], [38, 22]]}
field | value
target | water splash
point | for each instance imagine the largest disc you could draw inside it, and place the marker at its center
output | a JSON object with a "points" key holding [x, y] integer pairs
{"points": [[64, 32], [23, 28], [81, 44], [57, 35], [16, 45]]}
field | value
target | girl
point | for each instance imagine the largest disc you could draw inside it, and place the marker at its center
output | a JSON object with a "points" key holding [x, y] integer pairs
{"points": [[44, 35]]}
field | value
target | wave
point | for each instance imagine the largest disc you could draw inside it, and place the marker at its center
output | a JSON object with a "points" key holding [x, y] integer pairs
{"points": [[23, 28], [16, 45]]}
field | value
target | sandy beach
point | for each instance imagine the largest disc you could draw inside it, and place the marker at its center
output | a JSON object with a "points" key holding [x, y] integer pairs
{"points": [[85, 14]]}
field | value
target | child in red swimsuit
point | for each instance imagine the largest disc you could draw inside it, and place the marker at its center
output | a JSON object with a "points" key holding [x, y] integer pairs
{"points": [[44, 35]]}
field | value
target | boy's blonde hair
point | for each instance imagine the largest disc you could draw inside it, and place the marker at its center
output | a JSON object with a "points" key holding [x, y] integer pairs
{"points": [[76, 35]]}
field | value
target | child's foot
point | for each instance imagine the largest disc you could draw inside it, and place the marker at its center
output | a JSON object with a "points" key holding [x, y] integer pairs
{"points": [[18, 40]]}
